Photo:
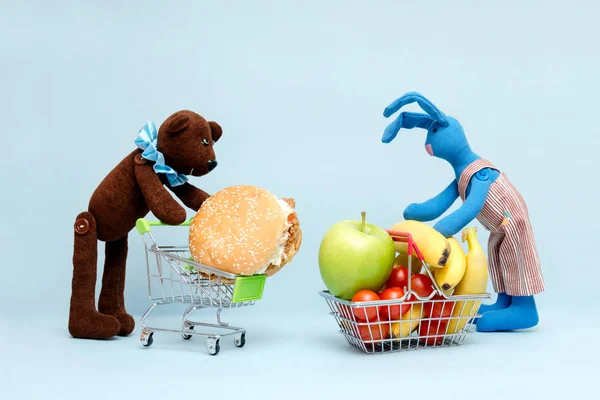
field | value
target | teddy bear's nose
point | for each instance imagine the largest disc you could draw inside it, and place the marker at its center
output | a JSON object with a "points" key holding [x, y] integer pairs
{"points": [[212, 164]]}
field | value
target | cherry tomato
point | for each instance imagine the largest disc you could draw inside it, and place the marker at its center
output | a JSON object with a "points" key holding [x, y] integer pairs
{"points": [[375, 333], [368, 314], [398, 278], [392, 312], [422, 285], [438, 309], [432, 331]]}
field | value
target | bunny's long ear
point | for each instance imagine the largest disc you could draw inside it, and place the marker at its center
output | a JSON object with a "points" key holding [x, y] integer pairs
{"points": [[407, 120], [425, 104]]}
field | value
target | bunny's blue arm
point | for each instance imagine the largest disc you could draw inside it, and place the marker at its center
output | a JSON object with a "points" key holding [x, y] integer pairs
{"points": [[434, 207], [480, 186]]}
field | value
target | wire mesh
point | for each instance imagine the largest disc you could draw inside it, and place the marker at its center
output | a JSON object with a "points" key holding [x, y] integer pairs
{"points": [[409, 325], [412, 322], [175, 278]]}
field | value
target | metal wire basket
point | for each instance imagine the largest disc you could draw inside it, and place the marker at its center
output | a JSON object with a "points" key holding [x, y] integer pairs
{"points": [[417, 327], [174, 277]]}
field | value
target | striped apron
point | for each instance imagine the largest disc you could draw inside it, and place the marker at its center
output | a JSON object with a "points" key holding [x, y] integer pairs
{"points": [[513, 260]]}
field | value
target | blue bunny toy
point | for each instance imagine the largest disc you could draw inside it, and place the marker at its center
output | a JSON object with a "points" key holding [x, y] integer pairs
{"points": [[487, 195]]}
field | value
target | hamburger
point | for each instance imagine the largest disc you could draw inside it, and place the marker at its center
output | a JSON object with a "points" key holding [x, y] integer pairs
{"points": [[245, 230]]}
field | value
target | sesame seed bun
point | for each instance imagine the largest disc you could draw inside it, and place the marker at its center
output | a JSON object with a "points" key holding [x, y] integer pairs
{"points": [[245, 230]]}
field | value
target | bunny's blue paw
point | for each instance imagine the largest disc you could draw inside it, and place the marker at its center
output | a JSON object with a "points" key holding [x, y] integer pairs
{"points": [[503, 301], [521, 314], [414, 212], [447, 228]]}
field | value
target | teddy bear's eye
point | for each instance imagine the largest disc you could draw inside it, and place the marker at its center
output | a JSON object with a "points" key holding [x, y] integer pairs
{"points": [[205, 142], [434, 130]]}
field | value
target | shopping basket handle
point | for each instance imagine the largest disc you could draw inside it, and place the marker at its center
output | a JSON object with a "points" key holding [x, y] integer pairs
{"points": [[144, 226], [406, 237]]}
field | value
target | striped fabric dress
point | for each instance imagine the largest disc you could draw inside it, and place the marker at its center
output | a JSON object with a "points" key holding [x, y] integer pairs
{"points": [[512, 256]]}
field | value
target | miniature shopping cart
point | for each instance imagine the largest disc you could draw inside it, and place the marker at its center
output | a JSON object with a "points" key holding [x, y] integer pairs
{"points": [[417, 327], [174, 277]]}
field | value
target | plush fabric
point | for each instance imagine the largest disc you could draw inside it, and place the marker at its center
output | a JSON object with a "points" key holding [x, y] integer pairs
{"points": [[473, 204], [407, 120], [433, 208], [84, 319], [502, 301], [446, 140], [131, 190], [520, 314], [432, 111], [111, 300]]}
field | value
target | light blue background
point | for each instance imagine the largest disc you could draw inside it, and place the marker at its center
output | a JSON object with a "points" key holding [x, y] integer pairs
{"points": [[299, 89]]}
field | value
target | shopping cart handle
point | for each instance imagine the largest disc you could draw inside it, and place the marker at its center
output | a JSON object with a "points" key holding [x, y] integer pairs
{"points": [[144, 226]]}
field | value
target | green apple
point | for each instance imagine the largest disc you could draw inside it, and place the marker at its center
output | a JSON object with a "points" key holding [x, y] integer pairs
{"points": [[355, 255]]}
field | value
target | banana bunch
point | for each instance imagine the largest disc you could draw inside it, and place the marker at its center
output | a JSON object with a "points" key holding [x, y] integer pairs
{"points": [[448, 277], [444, 255], [432, 244], [474, 281], [455, 272]]}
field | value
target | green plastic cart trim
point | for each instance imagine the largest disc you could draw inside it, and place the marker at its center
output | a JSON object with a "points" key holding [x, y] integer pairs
{"points": [[144, 226], [248, 288]]}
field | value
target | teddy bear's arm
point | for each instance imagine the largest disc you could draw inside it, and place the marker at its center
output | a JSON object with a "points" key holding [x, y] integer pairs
{"points": [[190, 195], [159, 201]]}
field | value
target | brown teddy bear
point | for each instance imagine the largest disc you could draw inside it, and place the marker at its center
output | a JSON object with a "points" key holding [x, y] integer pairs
{"points": [[182, 146]]}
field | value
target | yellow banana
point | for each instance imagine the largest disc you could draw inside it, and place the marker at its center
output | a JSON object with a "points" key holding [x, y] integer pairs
{"points": [[474, 281], [408, 322], [433, 245], [402, 261], [449, 276]]}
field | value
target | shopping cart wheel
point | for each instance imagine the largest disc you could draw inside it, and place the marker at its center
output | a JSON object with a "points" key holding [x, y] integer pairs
{"points": [[188, 337], [146, 338], [240, 341], [213, 346]]}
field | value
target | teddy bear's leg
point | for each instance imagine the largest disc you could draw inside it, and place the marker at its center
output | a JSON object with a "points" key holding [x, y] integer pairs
{"points": [[113, 285], [84, 320]]}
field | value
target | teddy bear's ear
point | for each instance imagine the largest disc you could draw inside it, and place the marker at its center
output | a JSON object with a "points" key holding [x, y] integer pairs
{"points": [[178, 123], [216, 130]]}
